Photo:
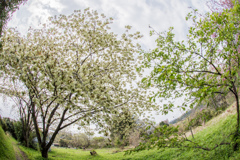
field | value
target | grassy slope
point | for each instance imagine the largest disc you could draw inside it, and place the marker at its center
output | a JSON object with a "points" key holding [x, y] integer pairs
{"points": [[6, 148], [214, 132]]}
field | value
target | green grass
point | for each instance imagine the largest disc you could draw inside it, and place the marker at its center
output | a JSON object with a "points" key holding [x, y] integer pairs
{"points": [[216, 131], [6, 148], [214, 134], [79, 154]]}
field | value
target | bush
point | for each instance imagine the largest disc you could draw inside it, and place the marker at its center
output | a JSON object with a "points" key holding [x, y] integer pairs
{"points": [[8, 126], [19, 131], [63, 143], [3, 124], [98, 142]]}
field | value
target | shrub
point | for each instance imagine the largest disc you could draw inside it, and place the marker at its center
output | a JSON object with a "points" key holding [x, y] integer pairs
{"points": [[3, 124], [19, 131], [63, 143], [8, 126], [98, 142]]}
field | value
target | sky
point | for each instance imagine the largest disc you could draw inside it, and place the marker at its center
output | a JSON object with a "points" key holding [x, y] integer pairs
{"points": [[140, 14]]}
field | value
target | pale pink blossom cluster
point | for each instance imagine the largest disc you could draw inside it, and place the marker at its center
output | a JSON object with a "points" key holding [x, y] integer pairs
{"points": [[214, 35], [220, 5]]}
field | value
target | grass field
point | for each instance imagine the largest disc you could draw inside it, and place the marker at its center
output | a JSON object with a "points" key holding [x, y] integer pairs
{"points": [[79, 154]]}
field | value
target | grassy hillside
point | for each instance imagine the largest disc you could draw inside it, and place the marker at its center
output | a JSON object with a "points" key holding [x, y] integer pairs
{"points": [[6, 148], [214, 132]]}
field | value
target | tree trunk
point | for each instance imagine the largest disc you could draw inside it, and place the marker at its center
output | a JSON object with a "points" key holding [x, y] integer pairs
{"points": [[44, 152], [238, 116], [26, 138], [26, 132], [236, 136]]}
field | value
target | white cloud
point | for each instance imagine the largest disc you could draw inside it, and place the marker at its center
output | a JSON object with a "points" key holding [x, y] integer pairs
{"points": [[35, 12], [160, 14]]}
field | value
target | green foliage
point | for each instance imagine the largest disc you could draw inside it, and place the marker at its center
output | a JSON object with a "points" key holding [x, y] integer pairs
{"points": [[9, 126], [99, 142], [6, 148], [63, 143], [121, 126], [3, 124], [18, 129], [219, 130], [204, 65], [7, 7], [163, 136]]}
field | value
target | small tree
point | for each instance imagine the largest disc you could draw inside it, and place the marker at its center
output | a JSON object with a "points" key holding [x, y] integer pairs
{"points": [[73, 69], [98, 142], [120, 127], [89, 132], [205, 65]]}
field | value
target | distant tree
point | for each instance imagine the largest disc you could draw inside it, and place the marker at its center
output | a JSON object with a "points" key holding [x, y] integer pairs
{"points": [[98, 142], [63, 143], [89, 132], [208, 63], [135, 138], [73, 69], [79, 140], [120, 127]]}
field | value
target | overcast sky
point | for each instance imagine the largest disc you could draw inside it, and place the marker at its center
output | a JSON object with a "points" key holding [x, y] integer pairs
{"points": [[159, 14]]}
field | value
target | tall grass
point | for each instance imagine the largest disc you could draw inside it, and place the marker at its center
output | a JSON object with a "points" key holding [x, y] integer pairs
{"points": [[6, 148]]}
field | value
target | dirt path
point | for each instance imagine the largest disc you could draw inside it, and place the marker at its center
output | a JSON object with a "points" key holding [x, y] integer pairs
{"points": [[20, 155]]}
